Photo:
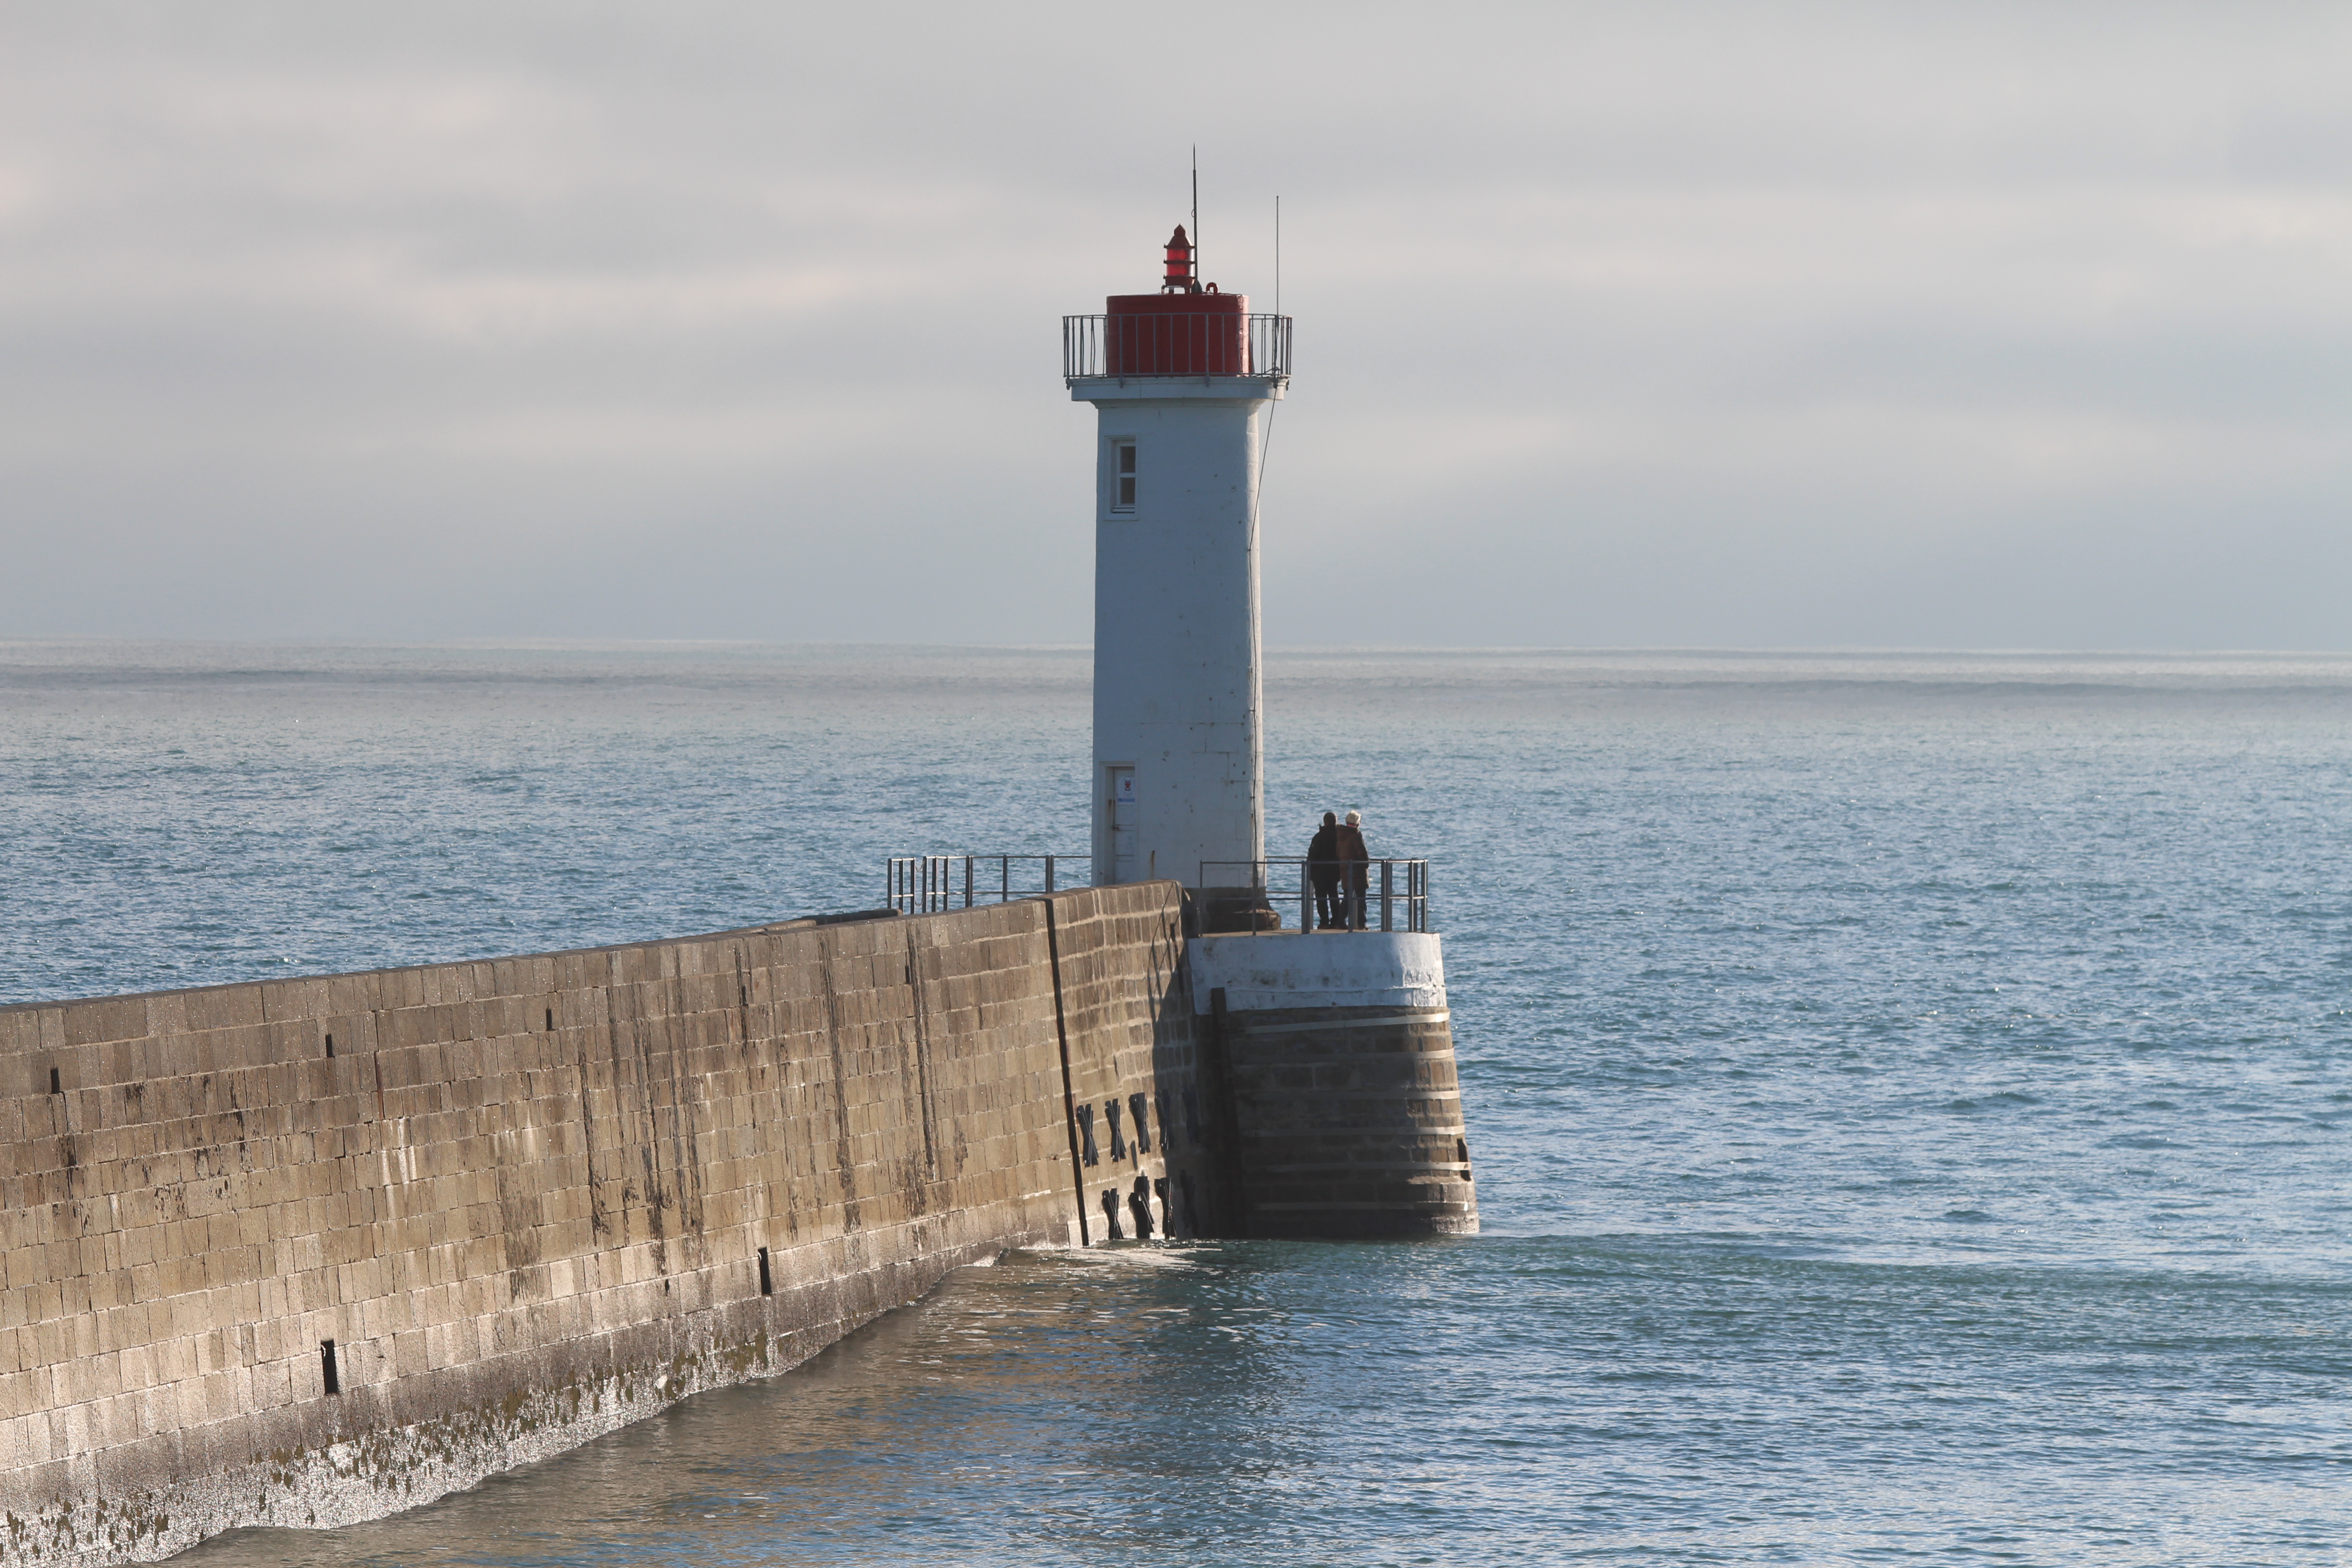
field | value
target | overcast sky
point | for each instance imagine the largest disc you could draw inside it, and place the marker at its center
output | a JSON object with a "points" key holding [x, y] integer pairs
{"points": [[1971, 326]]}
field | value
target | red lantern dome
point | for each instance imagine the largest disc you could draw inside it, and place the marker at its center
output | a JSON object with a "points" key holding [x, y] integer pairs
{"points": [[1181, 279]]}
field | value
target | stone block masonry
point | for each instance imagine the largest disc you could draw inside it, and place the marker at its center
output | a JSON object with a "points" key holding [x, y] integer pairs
{"points": [[1150, 1157], [311, 1251], [1336, 1052]]}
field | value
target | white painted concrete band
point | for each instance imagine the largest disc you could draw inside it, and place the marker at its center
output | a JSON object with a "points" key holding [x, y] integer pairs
{"points": [[1318, 969], [1170, 388]]}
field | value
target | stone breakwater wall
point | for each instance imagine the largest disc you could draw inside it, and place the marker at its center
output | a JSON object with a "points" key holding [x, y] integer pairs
{"points": [[311, 1251]]}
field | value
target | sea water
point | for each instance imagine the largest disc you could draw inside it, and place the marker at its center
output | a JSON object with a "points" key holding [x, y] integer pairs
{"points": [[1910, 1094]]}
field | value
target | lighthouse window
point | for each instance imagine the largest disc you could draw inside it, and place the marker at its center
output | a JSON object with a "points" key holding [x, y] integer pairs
{"points": [[1123, 483]]}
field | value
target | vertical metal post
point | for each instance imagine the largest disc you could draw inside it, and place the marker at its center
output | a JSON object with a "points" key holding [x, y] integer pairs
{"points": [[967, 881], [1049, 873], [1005, 871], [1388, 868], [1306, 900]]}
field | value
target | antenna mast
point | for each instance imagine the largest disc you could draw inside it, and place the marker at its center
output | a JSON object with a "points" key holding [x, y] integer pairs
{"points": [[1196, 212]]}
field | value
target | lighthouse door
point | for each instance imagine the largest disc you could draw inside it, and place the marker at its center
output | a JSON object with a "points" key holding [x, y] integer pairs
{"points": [[1122, 824]]}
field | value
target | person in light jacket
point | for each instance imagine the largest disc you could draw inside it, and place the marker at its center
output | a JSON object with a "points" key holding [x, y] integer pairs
{"points": [[1357, 862]]}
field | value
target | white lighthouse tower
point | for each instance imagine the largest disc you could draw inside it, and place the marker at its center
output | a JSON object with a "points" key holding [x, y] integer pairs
{"points": [[1179, 380], [1332, 1053]]}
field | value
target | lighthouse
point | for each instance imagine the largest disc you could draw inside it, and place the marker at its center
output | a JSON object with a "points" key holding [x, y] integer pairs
{"points": [[1182, 380], [1328, 1054]]}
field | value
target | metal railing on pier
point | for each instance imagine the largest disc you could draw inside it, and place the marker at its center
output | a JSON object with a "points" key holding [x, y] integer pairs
{"points": [[926, 884], [1186, 342], [1396, 893]]}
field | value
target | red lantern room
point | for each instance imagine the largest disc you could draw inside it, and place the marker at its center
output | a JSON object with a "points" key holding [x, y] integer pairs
{"points": [[1186, 329]]}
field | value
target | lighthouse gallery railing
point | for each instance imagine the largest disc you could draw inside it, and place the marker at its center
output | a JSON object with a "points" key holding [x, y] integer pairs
{"points": [[1396, 891], [1178, 342]]}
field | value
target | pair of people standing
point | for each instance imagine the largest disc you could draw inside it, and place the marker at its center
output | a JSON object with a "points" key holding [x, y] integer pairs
{"points": [[1340, 868]]}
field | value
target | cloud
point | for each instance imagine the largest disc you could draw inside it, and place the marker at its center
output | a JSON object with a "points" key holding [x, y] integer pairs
{"points": [[1675, 324]]}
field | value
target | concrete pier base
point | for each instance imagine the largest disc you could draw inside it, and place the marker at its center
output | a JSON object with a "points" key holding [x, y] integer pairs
{"points": [[1336, 1053]]}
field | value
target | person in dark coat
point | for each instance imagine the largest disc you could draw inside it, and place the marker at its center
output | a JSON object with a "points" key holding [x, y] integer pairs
{"points": [[1355, 862], [1323, 871]]}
